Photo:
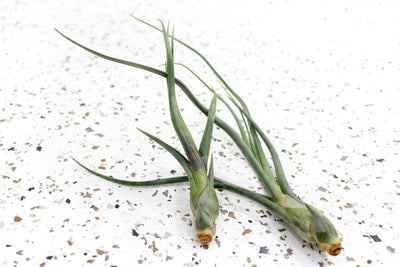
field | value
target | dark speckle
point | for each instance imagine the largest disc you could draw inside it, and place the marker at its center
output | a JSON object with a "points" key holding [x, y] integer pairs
{"points": [[8, 246], [380, 160], [68, 200], [375, 238], [39, 148], [369, 261], [173, 171], [250, 221], [134, 233], [31, 188], [263, 250], [49, 257], [11, 148], [285, 151], [116, 206], [335, 176], [82, 104]]}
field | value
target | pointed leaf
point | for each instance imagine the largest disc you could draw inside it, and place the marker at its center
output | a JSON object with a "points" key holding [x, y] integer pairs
{"points": [[180, 127], [219, 183], [178, 179], [239, 124], [211, 172], [175, 153], [205, 144], [283, 184]]}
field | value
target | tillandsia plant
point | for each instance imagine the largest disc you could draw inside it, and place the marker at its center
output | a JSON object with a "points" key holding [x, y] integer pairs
{"points": [[203, 199], [307, 221]]}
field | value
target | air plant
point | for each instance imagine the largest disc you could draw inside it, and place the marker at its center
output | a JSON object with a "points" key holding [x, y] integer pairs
{"points": [[203, 199], [305, 220]]}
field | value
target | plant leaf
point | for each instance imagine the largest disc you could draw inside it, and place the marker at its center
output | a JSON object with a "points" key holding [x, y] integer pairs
{"points": [[218, 184], [280, 174], [204, 148], [181, 129], [172, 180], [175, 153], [239, 124]]}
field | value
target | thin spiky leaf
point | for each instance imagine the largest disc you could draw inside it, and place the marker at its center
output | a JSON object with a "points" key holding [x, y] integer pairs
{"points": [[181, 129], [238, 123], [280, 174], [211, 172], [163, 181], [197, 76], [188, 47], [205, 143], [218, 183], [254, 141], [175, 153]]}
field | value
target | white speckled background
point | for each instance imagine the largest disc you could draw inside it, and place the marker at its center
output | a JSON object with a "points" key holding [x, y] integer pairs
{"points": [[323, 79]]}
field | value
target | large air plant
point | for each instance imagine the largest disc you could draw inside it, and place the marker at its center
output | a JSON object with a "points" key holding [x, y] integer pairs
{"points": [[307, 221]]}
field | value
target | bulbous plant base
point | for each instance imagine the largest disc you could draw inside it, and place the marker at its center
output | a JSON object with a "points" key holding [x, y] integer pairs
{"points": [[205, 237], [332, 249]]}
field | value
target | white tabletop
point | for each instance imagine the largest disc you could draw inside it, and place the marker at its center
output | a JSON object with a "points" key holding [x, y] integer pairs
{"points": [[322, 79]]}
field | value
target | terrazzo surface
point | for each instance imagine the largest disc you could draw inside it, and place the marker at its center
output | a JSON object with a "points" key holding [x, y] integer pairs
{"points": [[321, 78]]}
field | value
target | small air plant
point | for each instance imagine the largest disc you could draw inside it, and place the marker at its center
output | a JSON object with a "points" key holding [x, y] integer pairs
{"points": [[305, 220], [203, 199]]}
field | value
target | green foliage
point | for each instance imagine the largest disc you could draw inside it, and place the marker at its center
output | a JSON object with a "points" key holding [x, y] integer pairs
{"points": [[308, 222]]}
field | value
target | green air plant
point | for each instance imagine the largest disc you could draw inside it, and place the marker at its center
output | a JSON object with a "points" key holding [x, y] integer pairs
{"points": [[305, 220], [203, 199]]}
